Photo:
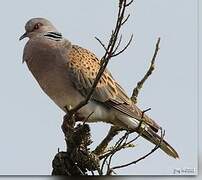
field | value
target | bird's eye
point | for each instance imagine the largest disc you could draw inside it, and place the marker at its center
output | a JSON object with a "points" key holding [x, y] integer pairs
{"points": [[37, 26]]}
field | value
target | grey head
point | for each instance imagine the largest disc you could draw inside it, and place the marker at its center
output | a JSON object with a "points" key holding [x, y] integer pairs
{"points": [[37, 26]]}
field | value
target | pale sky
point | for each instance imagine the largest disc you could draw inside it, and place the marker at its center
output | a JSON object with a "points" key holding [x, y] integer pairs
{"points": [[30, 122]]}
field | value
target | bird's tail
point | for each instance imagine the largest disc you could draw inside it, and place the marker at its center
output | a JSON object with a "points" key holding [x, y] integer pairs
{"points": [[154, 138]]}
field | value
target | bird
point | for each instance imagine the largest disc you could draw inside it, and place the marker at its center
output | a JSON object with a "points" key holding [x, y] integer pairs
{"points": [[66, 73]]}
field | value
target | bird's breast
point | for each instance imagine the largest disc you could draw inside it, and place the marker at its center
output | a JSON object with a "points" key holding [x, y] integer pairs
{"points": [[52, 76]]}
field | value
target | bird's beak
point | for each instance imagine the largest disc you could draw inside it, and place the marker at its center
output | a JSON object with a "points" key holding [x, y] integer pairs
{"points": [[23, 36]]}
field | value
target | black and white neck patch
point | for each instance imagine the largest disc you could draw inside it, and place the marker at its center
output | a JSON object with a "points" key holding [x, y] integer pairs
{"points": [[54, 36]]}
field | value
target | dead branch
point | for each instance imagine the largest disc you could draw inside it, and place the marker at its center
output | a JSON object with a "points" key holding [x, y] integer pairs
{"points": [[148, 73], [77, 160]]}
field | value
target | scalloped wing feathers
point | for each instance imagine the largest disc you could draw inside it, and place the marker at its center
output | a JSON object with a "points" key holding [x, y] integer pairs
{"points": [[83, 67]]}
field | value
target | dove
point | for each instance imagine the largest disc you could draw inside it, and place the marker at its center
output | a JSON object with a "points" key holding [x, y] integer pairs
{"points": [[66, 73]]}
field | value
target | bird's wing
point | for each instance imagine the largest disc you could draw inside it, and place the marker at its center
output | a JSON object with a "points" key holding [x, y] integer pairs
{"points": [[83, 67]]}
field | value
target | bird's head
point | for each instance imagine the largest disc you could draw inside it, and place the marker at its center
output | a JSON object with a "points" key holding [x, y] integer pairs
{"points": [[37, 26]]}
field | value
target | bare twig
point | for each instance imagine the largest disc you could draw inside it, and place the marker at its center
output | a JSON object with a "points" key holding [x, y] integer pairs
{"points": [[128, 4], [102, 44], [115, 149], [126, 19], [143, 157], [148, 73], [102, 146], [119, 43], [127, 45]]}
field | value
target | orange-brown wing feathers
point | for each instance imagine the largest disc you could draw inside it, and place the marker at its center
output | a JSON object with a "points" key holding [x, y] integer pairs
{"points": [[83, 68]]}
